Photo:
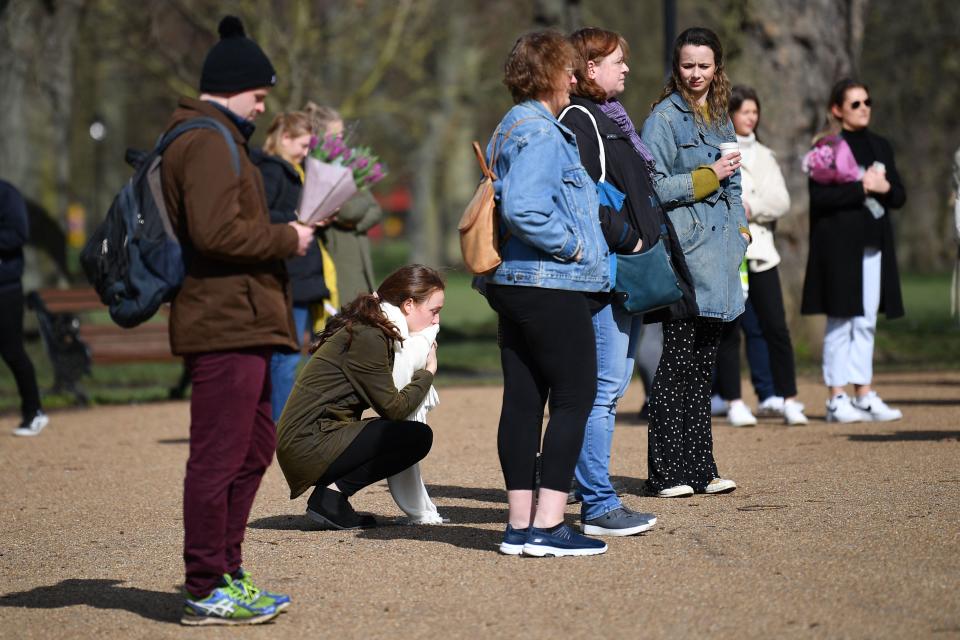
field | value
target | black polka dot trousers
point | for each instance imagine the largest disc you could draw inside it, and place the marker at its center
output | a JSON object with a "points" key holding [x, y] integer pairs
{"points": [[680, 443]]}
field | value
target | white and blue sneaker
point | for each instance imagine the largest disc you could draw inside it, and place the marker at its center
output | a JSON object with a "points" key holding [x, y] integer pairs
{"points": [[228, 604], [513, 541], [561, 541], [874, 409]]}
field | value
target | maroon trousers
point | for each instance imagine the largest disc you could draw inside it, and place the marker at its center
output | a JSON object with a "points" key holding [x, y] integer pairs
{"points": [[232, 440]]}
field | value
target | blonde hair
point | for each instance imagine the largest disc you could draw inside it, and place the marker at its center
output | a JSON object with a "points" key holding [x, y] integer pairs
{"points": [[321, 117], [293, 124]]}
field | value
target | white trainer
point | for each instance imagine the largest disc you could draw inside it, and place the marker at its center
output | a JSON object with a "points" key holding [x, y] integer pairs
{"points": [[738, 415], [34, 426], [679, 491], [876, 410], [772, 407], [720, 485], [793, 413], [718, 406], [840, 409]]}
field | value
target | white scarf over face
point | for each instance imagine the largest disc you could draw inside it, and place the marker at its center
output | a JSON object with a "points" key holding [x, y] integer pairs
{"points": [[409, 357]]}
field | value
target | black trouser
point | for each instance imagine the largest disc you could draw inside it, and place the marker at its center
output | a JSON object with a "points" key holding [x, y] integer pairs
{"points": [[767, 300], [547, 350], [680, 442], [381, 449], [13, 353], [727, 380]]}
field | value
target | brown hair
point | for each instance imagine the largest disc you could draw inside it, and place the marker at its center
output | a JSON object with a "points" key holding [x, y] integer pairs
{"points": [[719, 92], [321, 117], [414, 281], [535, 63], [292, 123], [593, 44], [838, 95], [740, 94]]}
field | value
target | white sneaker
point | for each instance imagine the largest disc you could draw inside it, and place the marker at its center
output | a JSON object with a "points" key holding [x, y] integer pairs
{"points": [[679, 491], [718, 406], [720, 485], [738, 415], [876, 410], [840, 409], [793, 413], [34, 426], [772, 407]]}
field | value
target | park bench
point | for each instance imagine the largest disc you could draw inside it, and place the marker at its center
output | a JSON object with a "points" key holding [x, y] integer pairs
{"points": [[73, 344]]}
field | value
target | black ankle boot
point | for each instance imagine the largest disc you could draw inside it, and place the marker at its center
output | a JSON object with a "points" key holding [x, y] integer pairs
{"points": [[331, 509]]}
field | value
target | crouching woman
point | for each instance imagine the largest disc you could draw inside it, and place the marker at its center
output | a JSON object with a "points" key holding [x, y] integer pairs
{"points": [[322, 442]]}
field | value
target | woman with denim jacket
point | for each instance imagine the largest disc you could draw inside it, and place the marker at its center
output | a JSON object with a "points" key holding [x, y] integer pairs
{"points": [[554, 261], [700, 188], [596, 117]]}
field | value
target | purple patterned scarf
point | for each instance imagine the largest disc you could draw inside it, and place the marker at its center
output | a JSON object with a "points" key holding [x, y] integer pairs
{"points": [[615, 111]]}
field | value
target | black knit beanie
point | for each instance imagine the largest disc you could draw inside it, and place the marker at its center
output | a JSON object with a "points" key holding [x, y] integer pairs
{"points": [[236, 63]]}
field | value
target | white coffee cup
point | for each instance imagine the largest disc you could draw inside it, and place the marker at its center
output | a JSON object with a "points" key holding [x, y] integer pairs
{"points": [[726, 148]]}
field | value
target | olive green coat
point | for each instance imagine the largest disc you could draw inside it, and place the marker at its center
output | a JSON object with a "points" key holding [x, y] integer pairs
{"points": [[349, 247], [338, 383]]}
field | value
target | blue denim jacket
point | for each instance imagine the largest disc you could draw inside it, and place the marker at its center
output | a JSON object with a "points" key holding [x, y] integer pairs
{"points": [[708, 230], [548, 204]]}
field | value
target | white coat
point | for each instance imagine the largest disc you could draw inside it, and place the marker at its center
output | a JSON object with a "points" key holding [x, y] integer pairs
{"points": [[766, 192]]}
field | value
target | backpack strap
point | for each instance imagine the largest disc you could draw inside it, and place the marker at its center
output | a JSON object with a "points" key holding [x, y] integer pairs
{"points": [[202, 122], [603, 153]]}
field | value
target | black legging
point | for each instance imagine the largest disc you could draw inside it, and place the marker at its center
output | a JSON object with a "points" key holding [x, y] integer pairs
{"points": [[547, 350], [381, 449], [13, 353]]}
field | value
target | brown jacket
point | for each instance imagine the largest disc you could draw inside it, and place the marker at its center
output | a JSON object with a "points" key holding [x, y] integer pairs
{"points": [[322, 415], [235, 294]]}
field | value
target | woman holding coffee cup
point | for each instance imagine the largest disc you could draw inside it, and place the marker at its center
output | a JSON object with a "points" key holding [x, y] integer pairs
{"points": [[852, 268], [698, 182]]}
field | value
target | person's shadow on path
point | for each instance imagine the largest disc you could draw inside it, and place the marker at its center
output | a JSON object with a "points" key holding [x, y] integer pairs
{"points": [[162, 606]]}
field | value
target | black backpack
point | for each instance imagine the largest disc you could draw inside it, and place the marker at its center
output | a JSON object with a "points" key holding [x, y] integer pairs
{"points": [[134, 259]]}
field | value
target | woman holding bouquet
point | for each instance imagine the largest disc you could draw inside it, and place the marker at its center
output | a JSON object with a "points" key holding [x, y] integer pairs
{"points": [[852, 266], [281, 164], [346, 238]]}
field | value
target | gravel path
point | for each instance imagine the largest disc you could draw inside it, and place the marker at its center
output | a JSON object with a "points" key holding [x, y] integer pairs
{"points": [[835, 531]]}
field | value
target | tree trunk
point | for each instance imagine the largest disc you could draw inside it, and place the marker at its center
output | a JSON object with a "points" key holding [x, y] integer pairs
{"points": [[792, 53]]}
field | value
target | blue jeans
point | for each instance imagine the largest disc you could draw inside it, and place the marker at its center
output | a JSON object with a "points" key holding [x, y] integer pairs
{"points": [[283, 366], [617, 334], [758, 355]]}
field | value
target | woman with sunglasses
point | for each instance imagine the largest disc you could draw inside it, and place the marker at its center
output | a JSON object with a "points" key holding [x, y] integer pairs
{"points": [[852, 267]]}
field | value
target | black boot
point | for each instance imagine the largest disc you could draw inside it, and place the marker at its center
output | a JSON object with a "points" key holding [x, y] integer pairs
{"points": [[332, 510]]}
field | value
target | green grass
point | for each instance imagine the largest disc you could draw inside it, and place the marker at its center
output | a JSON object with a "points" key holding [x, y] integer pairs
{"points": [[928, 337]]}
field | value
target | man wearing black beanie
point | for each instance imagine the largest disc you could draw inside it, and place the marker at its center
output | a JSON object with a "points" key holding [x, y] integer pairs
{"points": [[231, 313]]}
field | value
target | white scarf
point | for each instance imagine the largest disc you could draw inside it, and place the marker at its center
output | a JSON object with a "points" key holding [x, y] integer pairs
{"points": [[410, 356]]}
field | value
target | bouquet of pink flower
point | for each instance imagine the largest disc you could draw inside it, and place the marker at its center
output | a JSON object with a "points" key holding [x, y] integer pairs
{"points": [[366, 166], [831, 162]]}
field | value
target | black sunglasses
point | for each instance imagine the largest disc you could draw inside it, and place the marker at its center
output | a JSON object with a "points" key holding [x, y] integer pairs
{"points": [[856, 103]]}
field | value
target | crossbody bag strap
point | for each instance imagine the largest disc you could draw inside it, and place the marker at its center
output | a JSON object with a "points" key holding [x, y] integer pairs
{"points": [[603, 152]]}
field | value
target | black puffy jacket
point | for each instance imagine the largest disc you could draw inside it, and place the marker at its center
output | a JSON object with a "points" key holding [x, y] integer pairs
{"points": [[14, 231]]}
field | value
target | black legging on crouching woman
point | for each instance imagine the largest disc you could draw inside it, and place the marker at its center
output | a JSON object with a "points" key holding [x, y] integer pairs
{"points": [[547, 350]]}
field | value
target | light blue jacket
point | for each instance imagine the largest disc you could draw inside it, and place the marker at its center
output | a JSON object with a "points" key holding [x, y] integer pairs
{"points": [[708, 230], [548, 204]]}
